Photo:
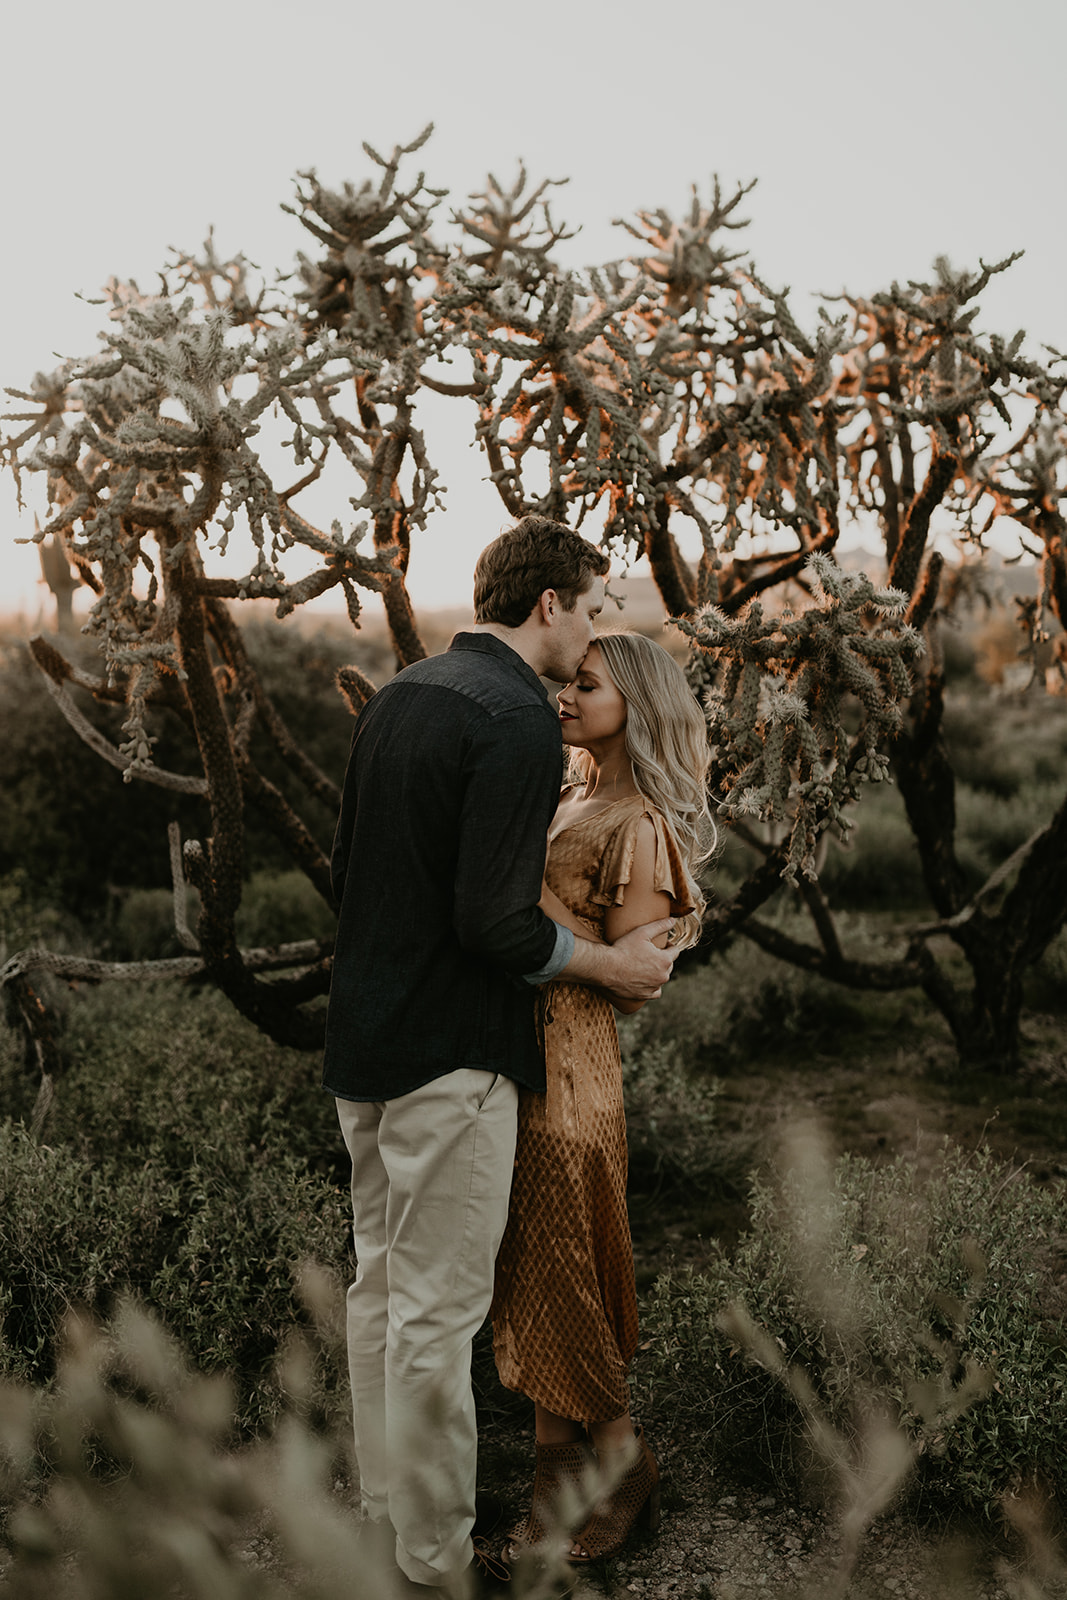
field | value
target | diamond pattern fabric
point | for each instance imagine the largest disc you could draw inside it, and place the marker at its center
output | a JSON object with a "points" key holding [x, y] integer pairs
{"points": [[565, 1306]]}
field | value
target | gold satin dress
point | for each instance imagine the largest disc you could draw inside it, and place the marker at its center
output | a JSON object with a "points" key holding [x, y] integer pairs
{"points": [[565, 1305]]}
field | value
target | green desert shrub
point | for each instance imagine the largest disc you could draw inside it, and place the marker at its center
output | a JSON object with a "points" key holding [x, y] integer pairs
{"points": [[1048, 982], [185, 1159], [81, 834], [1004, 753], [174, 1068], [141, 926], [876, 868], [990, 827], [746, 1005], [212, 1248], [670, 1112], [280, 906], [72, 1231], [276, 907], [67, 819], [924, 1301]]}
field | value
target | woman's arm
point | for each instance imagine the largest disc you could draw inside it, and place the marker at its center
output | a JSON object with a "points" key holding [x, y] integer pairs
{"points": [[642, 904], [590, 942]]}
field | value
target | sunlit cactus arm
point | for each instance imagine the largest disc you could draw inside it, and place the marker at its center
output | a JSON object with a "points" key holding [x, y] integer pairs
{"points": [[924, 598], [780, 748], [904, 572], [403, 628], [673, 578], [356, 688]]}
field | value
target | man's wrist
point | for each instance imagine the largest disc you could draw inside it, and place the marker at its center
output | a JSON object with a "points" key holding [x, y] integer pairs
{"points": [[562, 952], [593, 963]]}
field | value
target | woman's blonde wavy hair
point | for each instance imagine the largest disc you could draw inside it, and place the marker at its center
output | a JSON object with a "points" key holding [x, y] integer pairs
{"points": [[667, 742]]}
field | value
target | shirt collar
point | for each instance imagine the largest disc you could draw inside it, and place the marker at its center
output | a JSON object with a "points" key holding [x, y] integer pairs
{"points": [[490, 645]]}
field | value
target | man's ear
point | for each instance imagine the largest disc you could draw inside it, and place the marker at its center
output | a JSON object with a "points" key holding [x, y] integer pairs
{"points": [[548, 605]]}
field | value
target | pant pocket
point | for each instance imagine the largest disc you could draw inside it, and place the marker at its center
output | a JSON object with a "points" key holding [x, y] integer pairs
{"points": [[493, 1080]]}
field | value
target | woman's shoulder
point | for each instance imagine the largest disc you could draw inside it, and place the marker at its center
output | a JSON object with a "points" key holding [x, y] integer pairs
{"points": [[640, 844], [637, 814]]}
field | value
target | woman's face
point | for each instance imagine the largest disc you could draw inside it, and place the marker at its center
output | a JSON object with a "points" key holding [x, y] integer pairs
{"points": [[592, 712]]}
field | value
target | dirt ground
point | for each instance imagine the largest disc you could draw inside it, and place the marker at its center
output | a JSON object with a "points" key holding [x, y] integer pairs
{"points": [[720, 1541]]}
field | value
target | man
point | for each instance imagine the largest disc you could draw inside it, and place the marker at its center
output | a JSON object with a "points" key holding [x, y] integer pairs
{"points": [[452, 781]]}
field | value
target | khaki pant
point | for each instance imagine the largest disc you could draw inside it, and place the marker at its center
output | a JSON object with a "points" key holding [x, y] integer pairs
{"points": [[431, 1174]]}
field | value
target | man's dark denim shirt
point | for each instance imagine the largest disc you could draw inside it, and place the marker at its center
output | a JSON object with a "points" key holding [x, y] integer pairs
{"points": [[452, 781]]}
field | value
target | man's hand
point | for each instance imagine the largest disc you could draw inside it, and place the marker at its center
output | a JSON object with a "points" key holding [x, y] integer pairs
{"points": [[632, 970], [645, 968]]}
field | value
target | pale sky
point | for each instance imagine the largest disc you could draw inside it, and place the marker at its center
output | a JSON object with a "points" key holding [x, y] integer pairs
{"points": [[881, 136]]}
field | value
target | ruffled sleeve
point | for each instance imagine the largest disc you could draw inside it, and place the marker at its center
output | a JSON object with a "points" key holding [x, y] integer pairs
{"points": [[617, 859]]}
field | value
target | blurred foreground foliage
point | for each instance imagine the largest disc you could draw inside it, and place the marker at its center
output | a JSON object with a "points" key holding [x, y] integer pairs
{"points": [[879, 1329], [197, 1167], [122, 1479]]}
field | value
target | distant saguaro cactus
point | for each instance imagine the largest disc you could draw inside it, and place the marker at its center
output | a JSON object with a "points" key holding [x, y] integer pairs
{"points": [[56, 572]]}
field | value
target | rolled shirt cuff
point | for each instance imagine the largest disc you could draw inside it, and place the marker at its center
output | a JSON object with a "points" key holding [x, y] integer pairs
{"points": [[561, 955]]}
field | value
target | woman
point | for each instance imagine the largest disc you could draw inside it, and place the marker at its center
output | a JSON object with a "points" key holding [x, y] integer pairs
{"points": [[624, 849]]}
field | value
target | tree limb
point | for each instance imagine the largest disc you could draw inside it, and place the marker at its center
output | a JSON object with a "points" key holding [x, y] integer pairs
{"points": [[259, 958], [855, 974], [103, 747]]}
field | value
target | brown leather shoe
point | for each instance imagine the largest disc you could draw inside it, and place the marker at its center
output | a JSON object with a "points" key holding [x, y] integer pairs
{"points": [[485, 1576]]}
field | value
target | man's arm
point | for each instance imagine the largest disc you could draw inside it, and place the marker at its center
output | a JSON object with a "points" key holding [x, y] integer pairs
{"points": [[512, 783], [631, 967], [563, 965]]}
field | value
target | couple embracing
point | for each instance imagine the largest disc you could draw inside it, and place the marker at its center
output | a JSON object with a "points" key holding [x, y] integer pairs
{"points": [[472, 1050]]}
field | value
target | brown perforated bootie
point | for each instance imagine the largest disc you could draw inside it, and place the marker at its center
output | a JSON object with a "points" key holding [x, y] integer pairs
{"points": [[635, 1498], [558, 1467]]}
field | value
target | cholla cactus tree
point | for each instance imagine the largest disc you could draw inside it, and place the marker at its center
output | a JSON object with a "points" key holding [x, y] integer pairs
{"points": [[961, 428], [778, 706], [150, 452], [669, 389], [675, 389]]}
